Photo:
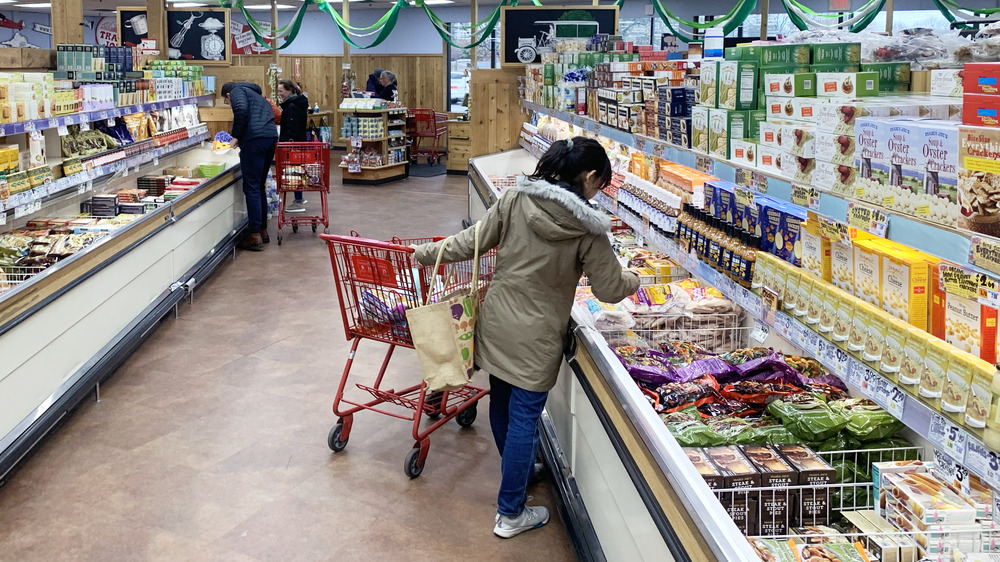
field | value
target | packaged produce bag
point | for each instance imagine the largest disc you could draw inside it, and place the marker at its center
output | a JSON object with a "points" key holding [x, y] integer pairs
{"points": [[444, 332]]}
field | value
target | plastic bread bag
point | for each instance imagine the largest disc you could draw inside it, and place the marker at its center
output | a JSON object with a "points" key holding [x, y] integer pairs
{"points": [[867, 420], [807, 416]]}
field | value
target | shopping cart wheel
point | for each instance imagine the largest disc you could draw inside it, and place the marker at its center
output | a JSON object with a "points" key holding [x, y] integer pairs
{"points": [[295, 228], [314, 228], [279, 237], [413, 466], [334, 441], [467, 416], [430, 160]]}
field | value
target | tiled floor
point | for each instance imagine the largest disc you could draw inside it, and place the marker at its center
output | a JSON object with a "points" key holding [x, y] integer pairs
{"points": [[210, 442]]}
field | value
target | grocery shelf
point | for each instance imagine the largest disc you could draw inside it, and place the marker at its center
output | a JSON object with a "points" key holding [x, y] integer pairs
{"points": [[100, 115], [342, 165], [532, 149], [958, 443], [941, 241], [34, 200]]}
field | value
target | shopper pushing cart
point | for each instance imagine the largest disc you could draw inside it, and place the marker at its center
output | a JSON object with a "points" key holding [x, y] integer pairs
{"points": [[547, 235]]}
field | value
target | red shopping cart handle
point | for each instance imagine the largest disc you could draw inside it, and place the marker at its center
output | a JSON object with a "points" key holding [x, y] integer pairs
{"points": [[365, 242]]}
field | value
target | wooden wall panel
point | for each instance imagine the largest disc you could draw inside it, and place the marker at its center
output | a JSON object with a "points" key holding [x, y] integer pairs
{"points": [[421, 77], [495, 110]]}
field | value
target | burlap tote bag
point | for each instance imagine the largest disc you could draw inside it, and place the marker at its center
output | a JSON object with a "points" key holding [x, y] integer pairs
{"points": [[444, 332]]}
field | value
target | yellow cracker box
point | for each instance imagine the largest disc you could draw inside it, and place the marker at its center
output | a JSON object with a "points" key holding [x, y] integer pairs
{"points": [[905, 279], [815, 251], [842, 265]]}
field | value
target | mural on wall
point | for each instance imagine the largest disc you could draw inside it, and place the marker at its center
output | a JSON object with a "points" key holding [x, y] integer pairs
{"points": [[106, 32], [25, 30]]}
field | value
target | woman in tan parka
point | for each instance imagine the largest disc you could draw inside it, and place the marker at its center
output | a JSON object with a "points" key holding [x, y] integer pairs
{"points": [[548, 235]]}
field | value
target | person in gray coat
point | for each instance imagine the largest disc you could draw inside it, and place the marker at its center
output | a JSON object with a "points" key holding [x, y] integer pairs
{"points": [[547, 235], [255, 134]]}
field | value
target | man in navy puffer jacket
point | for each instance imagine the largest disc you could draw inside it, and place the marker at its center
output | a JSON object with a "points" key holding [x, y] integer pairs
{"points": [[255, 133]]}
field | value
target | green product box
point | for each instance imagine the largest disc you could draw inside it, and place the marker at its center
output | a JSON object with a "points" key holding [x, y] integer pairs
{"points": [[750, 52], [708, 84], [724, 125], [893, 88], [754, 119], [836, 67], [548, 74], [828, 53], [889, 72], [737, 85], [785, 54], [733, 53], [802, 85]]}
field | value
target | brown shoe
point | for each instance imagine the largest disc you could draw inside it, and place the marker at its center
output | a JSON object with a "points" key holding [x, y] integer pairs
{"points": [[265, 237], [252, 242]]}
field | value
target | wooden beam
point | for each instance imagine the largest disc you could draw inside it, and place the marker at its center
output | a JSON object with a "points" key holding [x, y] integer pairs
{"points": [[274, 25], [888, 16], [67, 22], [474, 12], [156, 17], [763, 19]]}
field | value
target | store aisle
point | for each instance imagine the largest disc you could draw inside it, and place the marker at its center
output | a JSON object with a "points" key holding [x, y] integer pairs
{"points": [[210, 442]]}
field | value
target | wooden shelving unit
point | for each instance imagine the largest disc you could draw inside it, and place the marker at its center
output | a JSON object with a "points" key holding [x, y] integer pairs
{"points": [[393, 120]]}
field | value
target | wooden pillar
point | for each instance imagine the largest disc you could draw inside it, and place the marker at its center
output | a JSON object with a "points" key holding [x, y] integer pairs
{"points": [[274, 25], [474, 13], [888, 16], [67, 22], [763, 19], [156, 17], [346, 7]]}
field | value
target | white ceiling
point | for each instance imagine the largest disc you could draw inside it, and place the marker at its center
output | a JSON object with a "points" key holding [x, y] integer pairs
{"points": [[105, 6]]}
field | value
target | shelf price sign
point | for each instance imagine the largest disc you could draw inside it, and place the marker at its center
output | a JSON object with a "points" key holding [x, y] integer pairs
{"points": [[805, 196], [983, 461], [867, 218], [985, 253], [948, 437]]}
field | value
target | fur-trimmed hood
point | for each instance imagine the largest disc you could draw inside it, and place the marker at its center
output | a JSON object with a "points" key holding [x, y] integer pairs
{"points": [[561, 214]]}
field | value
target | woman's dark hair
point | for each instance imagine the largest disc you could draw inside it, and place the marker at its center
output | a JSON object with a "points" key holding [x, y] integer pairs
{"points": [[565, 160], [290, 86]]}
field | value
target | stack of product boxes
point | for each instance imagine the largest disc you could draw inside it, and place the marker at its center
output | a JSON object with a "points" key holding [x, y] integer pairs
{"points": [[176, 79], [981, 94], [364, 127], [628, 95], [978, 151]]}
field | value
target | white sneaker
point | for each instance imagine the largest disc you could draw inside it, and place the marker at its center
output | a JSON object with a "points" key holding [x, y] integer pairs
{"points": [[531, 517], [296, 207]]}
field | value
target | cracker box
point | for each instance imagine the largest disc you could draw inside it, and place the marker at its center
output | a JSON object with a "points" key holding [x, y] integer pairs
{"points": [[769, 160], [699, 129], [744, 152], [981, 110], [835, 178], [947, 82], [889, 73], [770, 133], [868, 271], [905, 286], [708, 92], [737, 85], [737, 472], [724, 125], [982, 78], [842, 265], [799, 139], [706, 468], [799, 169], [836, 53], [847, 84], [790, 85], [813, 505], [978, 182], [815, 251], [839, 118], [834, 148], [786, 54], [969, 325], [775, 508]]}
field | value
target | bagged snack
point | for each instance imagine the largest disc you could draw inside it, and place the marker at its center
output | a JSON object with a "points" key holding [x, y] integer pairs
{"points": [[721, 407], [740, 356], [807, 416], [805, 365], [677, 395], [690, 432], [603, 316], [774, 550], [867, 420], [757, 392]]}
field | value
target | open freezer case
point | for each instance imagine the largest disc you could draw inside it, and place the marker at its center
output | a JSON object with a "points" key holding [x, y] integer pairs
{"points": [[66, 327], [490, 175]]}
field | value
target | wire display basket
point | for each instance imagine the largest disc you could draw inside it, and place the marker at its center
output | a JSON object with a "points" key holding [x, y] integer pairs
{"points": [[13, 275]]}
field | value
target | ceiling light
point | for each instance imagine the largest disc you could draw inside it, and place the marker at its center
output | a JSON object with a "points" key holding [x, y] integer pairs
{"points": [[266, 6], [36, 5], [7, 1]]}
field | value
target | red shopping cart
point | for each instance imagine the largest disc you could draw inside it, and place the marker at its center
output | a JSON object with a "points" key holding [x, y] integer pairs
{"points": [[302, 166], [376, 282], [425, 124]]}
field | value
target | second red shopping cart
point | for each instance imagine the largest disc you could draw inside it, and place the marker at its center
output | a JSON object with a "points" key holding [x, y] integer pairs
{"points": [[376, 283], [302, 166]]}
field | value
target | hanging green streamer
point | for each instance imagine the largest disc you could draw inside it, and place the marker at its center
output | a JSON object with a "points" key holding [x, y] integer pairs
{"points": [[867, 20], [955, 5], [739, 14], [484, 34], [271, 39], [390, 23]]}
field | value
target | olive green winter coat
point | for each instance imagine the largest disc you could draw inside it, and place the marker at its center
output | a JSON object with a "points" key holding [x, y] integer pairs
{"points": [[547, 238]]}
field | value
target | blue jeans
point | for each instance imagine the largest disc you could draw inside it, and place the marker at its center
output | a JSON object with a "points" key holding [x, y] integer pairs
{"points": [[514, 414], [256, 156], [298, 196]]}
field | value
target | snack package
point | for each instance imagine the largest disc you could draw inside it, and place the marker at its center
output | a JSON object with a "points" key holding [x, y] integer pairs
{"points": [[774, 550], [866, 420], [833, 552], [807, 416], [691, 431]]}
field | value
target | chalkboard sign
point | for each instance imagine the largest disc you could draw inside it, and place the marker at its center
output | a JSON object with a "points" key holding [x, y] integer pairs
{"points": [[527, 31], [133, 26], [199, 36]]}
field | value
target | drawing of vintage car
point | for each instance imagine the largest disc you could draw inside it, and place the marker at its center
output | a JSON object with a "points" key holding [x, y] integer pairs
{"points": [[529, 47]]}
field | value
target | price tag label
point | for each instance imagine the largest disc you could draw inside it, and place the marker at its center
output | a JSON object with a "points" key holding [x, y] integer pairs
{"points": [[35, 135], [982, 461], [760, 331], [63, 130], [810, 341], [802, 194], [82, 188], [53, 123], [20, 211], [89, 185], [71, 119], [156, 160], [116, 113], [29, 126], [768, 305], [948, 437], [354, 167], [356, 142], [111, 122], [102, 115], [84, 126], [645, 224], [867, 218], [3, 218], [895, 400]]}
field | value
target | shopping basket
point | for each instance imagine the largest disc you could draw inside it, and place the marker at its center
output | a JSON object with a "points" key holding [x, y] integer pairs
{"points": [[425, 124], [302, 166], [376, 283]]}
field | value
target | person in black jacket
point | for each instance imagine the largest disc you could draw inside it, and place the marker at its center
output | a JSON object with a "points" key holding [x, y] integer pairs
{"points": [[388, 81], [294, 109], [255, 134], [374, 85]]}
